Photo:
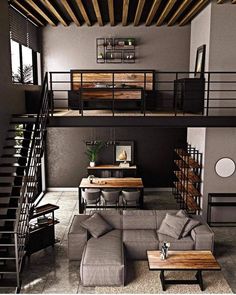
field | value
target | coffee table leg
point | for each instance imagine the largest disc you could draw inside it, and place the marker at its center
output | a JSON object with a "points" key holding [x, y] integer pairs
{"points": [[162, 278], [200, 280]]}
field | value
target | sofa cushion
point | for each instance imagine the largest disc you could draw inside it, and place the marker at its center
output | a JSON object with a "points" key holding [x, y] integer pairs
{"points": [[173, 226], [103, 262], [161, 214], [113, 217], [137, 242], [191, 224], [139, 235], [139, 219], [186, 243], [105, 250], [96, 225]]}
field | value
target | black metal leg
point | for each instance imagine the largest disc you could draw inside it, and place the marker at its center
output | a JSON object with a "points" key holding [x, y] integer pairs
{"points": [[162, 278], [200, 280], [141, 198], [81, 207]]}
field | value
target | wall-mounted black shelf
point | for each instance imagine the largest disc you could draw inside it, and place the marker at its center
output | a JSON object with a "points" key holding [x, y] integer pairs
{"points": [[115, 50]]}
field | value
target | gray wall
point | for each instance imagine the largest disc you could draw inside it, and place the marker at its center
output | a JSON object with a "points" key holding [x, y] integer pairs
{"points": [[220, 143], [11, 96], [160, 48], [200, 34], [212, 27], [67, 162]]}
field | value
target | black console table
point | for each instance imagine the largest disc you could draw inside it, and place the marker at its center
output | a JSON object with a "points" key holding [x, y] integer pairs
{"points": [[223, 207], [189, 95], [42, 235]]}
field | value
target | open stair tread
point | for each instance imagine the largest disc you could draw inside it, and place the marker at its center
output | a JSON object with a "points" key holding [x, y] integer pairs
{"points": [[7, 269], [6, 230], [8, 283]]}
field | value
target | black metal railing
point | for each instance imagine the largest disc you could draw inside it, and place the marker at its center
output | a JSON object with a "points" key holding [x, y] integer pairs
{"points": [[29, 187], [174, 93]]}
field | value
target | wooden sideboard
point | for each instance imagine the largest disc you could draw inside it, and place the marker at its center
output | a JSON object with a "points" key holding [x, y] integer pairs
{"points": [[112, 171], [89, 86]]}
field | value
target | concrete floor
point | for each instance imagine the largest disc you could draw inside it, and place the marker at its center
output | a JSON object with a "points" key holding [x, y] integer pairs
{"points": [[49, 271]]}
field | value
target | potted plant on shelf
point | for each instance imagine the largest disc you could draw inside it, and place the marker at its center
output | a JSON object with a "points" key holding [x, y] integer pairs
{"points": [[93, 151], [130, 42]]}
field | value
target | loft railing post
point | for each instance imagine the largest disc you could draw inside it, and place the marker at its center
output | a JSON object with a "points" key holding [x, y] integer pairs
{"points": [[175, 94], [144, 94], [51, 94], [113, 95], [208, 93]]}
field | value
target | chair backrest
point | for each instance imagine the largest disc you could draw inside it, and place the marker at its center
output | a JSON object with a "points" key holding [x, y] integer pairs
{"points": [[131, 195], [111, 195], [91, 195]]}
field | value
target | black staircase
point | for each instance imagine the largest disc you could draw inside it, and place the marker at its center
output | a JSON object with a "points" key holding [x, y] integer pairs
{"points": [[20, 170]]}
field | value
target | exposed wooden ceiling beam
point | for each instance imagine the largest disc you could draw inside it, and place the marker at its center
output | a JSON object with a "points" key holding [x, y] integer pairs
{"points": [[125, 12], [220, 1], [197, 7], [165, 12], [45, 15], [234, 1], [83, 12], [139, 12], [152, 12], [27, 12], [179, 11], [111, 12], [97, 12], [70, 12], [55, 11]]}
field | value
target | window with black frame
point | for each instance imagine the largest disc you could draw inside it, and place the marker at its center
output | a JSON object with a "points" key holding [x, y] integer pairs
{"points": [[25, 49]]}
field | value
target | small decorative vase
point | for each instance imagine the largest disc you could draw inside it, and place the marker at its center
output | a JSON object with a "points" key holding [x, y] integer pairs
{"points": [[92, 164], [164, 250]]}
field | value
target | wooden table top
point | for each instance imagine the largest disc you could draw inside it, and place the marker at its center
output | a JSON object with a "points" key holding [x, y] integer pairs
{"points": [[111, 167], [127, 182], [183, 260]]}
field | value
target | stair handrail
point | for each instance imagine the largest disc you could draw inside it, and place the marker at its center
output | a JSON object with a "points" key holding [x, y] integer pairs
{"points": [[21, 231]]}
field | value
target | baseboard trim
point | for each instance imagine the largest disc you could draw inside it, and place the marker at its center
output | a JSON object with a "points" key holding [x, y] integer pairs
{"points": [[75, 189]]}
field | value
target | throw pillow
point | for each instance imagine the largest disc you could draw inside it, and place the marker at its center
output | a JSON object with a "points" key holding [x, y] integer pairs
{"points": [[96, 225], [173, 226], [190, 225]]}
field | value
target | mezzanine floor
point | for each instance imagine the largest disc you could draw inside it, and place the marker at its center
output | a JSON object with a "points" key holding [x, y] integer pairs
{"points": [[119, 113], [49, 270]]}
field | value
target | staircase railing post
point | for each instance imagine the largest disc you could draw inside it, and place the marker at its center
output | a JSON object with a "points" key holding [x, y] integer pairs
{"points": [[17, 260]]}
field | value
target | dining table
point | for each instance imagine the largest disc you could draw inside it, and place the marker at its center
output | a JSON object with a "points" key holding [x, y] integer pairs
{"points": [[110, 183]]}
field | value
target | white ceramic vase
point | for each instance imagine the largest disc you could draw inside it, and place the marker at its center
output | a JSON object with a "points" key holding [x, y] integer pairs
{"points": [[92, 164]]}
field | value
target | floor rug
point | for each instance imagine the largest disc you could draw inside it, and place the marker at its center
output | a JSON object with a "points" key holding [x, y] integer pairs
{"points": [[141, 280]]}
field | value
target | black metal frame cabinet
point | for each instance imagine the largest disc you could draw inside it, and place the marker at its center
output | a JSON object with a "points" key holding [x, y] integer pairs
{"points": [[189, 95]]}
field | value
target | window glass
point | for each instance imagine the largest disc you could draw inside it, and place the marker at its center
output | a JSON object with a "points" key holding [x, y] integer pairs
{"points": [[39, 68], [27, 65], [15, 61]]}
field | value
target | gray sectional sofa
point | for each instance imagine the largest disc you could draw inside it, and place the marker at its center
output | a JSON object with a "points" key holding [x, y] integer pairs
{"points": [[133, 233]]}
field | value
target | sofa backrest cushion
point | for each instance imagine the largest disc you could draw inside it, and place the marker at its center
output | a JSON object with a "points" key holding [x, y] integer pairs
{"points": [[113, 217], [161, 214], [139, 219]]}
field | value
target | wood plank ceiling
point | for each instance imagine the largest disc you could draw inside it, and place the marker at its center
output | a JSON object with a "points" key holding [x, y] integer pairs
{"points": [[113, 12]]}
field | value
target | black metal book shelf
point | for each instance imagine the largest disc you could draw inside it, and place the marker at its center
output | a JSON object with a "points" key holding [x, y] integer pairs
{"points": [[187, 178]]}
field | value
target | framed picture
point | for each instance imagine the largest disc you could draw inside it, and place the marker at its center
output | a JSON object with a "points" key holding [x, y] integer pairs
{"points": [[124, 152], [200, 61]]}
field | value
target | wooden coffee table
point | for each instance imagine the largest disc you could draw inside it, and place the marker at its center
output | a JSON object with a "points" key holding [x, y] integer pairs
{"points": [[183, 260]]}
